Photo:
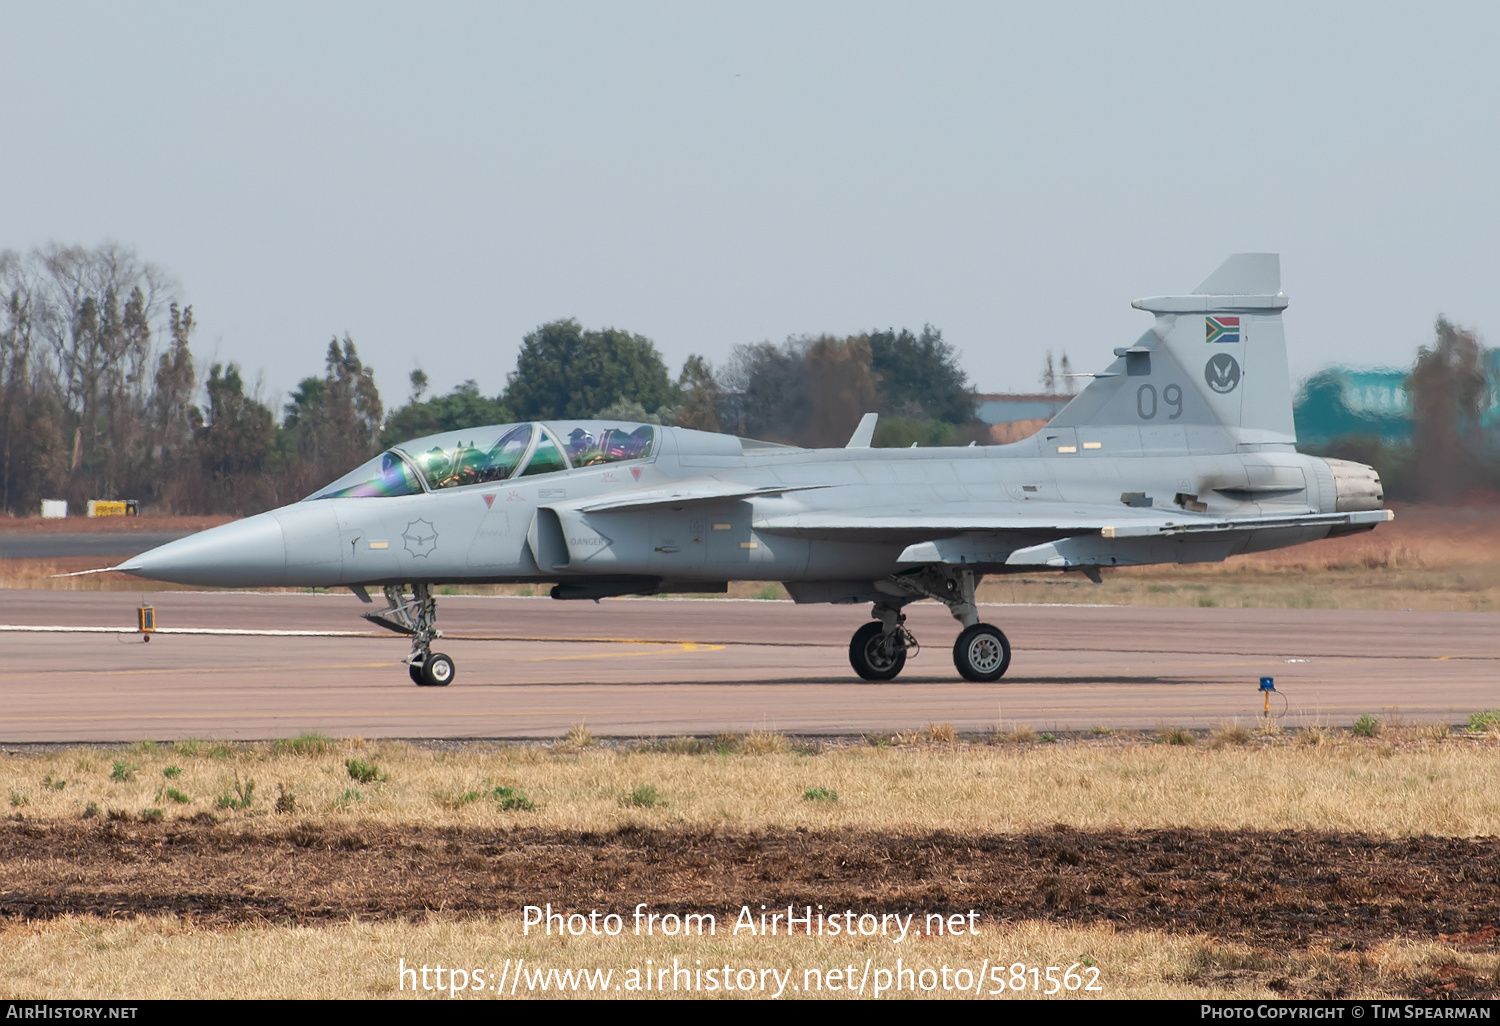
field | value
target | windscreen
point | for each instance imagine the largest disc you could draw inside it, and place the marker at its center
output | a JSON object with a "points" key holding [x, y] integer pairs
{"points": [[387, 474], [470, 457]]}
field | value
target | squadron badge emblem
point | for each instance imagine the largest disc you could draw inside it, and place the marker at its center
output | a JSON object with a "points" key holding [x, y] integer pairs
{"points": [[420, 538], [1222, 373]]}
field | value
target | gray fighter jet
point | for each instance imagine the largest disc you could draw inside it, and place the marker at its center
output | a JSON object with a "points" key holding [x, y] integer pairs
{"points": [[1181, 451]]}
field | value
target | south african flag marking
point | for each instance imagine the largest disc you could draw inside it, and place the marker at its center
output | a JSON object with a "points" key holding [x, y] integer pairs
{"points": [[1221, 329]]}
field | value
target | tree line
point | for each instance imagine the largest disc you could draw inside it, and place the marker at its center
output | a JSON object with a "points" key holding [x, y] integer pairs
{"points": [[101, 396]]}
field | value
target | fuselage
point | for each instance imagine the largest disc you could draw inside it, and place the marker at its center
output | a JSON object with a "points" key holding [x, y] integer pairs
{"points": [[816, 515]]}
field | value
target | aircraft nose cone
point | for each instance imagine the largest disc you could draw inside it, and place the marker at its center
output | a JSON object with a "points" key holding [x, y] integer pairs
{"points": [[249, 553]]}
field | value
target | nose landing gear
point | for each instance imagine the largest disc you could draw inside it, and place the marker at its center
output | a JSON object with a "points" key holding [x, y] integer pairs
{"points": [[433, 670], [413, 611]]}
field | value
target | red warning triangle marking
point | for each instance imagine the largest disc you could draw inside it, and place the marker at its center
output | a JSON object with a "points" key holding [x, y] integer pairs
{"points": [[637, 472], [489, 500]]}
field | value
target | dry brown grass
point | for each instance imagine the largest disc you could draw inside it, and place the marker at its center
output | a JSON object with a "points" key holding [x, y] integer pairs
{"points": [[579, 736], [1175, 736], [1313, 735], [940, 733], [1394, 786], [764, 742], [1226, 734], [167, 957]]}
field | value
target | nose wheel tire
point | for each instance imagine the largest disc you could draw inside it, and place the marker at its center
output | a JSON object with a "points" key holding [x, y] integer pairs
{"points": [[876, 655], [436, 671], [414, 670], [981, 653]]}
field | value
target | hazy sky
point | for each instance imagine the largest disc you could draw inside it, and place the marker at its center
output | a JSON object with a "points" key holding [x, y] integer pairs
{"points": [[439, 179]]}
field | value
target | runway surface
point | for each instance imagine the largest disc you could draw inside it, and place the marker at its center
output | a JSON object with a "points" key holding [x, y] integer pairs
{"points": [[63, 544], [653, 667]]}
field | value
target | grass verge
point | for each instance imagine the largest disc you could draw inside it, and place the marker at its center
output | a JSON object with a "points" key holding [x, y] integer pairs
{"points": [[1408, 780]]}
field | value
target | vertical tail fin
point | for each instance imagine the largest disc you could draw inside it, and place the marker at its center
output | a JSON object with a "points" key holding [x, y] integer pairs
{"points": [[1210, 376]]}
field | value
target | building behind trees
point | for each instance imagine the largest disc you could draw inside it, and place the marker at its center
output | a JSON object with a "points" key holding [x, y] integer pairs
{"points": [[1432, 431]]}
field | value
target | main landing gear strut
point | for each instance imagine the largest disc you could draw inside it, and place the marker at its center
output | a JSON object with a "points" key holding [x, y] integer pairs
{"points": [[413, 611], [879, 649]]}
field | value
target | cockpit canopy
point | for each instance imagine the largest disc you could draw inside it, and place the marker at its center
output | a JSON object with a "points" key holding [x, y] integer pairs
{"points": [[485, 455]]}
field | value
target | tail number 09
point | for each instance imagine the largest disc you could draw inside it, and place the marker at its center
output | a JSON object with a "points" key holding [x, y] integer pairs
{"points": [[1146, 404]]}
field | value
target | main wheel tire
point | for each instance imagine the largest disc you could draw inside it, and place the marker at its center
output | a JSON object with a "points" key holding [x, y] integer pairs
{"points": [[981, 653], [876, 656], [415, 672], [438, 671]]}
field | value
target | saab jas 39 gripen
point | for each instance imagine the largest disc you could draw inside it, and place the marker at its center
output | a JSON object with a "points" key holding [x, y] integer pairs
{"points": [[1181, 451]]}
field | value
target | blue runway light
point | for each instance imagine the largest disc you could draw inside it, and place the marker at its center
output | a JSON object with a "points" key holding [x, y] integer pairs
{"points": [[1268, 684]]}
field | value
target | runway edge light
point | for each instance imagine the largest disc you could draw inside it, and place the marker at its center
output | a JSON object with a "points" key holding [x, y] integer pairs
{"points": [[1268, 685], [145, 618]]}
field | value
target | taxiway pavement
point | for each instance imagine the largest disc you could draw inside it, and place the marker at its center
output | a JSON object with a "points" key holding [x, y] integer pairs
{"points": [[532, 667], [65, 544]]}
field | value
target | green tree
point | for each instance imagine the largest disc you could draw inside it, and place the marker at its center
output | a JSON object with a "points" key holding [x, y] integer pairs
{"points": [[807, 391], [42, 452], [175, 417], [702, 395], [105, 362], [564, 372], [920, 378], [234, 445], [334, 421], [18, 389], [464, 407], [630, 410], [765, 384]]}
